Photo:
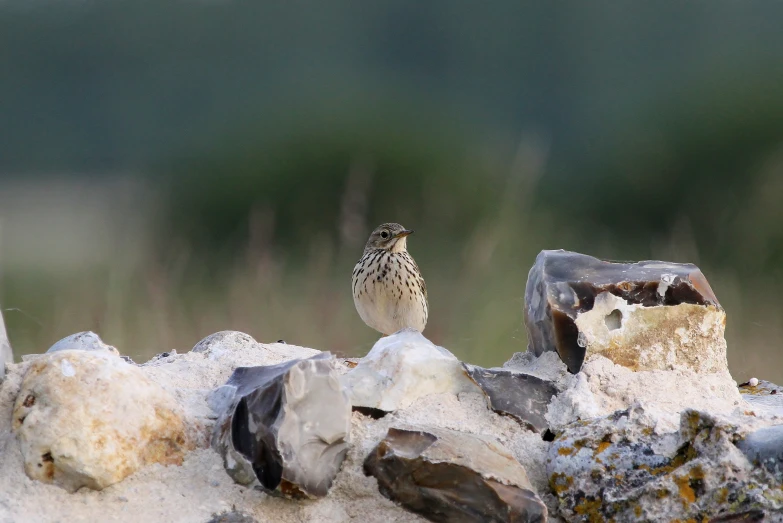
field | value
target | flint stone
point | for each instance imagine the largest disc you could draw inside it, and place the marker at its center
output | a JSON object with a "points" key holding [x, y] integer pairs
{"points": [[648, 315], [288, 426], [86, 340], [618, 468], [522, 396], [449, 476], [402, 368], [88, 419]]}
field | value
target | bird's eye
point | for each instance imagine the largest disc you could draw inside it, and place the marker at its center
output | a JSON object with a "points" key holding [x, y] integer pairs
{"points": [[384, 235]]}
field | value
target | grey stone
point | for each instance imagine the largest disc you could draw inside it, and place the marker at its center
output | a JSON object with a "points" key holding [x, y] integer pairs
{"points": [[516, 394], [618, 468], [765, 397], [86, 340], [764, 447], [638, 297], [449, 476], [288, 427], [220, 398]]}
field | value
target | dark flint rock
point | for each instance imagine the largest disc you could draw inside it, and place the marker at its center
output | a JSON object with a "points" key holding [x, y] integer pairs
{"points": [[448, 476], [516, 394], [287, 425], [563, 284]]}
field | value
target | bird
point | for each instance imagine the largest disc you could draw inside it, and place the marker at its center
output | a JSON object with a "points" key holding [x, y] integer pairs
{"points": [[388, 289]]}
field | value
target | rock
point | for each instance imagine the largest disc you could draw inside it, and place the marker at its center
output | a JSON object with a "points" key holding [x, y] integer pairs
{"points": [[764, 448], [231, 517], [646, 315], [401, 368], [523, 396], [618, 468], [446, 475], [220, 340], [6, 354], [765, 397], [88, 419], [288, 426], [86, 340]]}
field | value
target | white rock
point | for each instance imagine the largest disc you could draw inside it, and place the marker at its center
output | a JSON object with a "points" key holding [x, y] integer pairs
{"points": [[86, 340], [401, 368], [87, 418], [294, 417], [753, 382], [218, 343]]}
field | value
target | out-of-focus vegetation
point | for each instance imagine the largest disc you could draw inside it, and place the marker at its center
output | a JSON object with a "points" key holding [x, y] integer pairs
{"points": [[173, 168]]}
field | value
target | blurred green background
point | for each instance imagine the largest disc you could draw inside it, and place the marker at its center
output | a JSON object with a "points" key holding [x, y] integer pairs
{"points": [[173, 168]]}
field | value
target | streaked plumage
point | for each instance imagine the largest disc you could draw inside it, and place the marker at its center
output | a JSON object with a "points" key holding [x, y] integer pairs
{"points": [[388, 289]]}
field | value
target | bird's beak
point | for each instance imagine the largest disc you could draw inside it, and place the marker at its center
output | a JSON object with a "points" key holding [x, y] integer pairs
{"points": [[404, 233]]}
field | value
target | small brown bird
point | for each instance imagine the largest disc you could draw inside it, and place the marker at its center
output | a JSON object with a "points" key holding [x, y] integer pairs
{"points": [[388, 289]]}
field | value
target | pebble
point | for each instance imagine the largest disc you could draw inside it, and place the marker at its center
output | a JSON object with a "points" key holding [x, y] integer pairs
{"points": [[753, 382]]}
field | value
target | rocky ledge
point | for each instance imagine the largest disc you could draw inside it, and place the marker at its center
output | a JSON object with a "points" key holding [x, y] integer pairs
{"points": [[622, 409]]}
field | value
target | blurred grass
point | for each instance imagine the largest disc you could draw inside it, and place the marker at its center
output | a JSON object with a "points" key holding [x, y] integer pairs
{"points": [[260, 235]]}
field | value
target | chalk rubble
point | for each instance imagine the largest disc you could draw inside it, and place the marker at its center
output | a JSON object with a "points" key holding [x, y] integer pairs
{"points": [[89, 419]]}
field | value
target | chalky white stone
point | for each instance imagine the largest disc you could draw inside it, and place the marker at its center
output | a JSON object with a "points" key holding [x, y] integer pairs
{"points": [[6, 354], [402, 368], [89, 419]]}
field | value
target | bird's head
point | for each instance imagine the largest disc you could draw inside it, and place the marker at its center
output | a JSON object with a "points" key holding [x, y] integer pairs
{"points": [[390, 237]]}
